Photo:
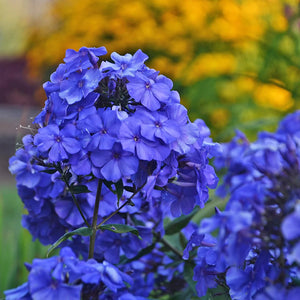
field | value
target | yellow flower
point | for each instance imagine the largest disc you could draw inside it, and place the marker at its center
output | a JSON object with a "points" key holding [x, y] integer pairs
{"points": [[269, 95]]}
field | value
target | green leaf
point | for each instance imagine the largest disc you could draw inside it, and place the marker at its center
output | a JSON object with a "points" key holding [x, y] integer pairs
{"points": [[130, 189], [49, 171], [142, 253], [119, 189], [120, 228], [85, 231], [79, 189], [108, 184], [188, 274], [209, 209], [177, 224]]}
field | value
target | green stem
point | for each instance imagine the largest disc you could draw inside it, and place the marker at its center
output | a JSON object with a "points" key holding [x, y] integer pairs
{"points": [[76, 202], [95, 219], [123, 205], [168, 245]]}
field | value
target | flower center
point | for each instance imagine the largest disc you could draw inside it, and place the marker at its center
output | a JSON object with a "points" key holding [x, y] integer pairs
{"points": [[80, 84], [116, 155]]}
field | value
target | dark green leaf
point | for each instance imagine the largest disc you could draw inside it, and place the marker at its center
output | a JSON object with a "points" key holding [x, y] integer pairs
{"points": [[188, 274], [177, 224], [120, 228], [79, 189], [49, 171], [119, 189], [108, 184], [130, 189], [142, 253], [85, 231]]}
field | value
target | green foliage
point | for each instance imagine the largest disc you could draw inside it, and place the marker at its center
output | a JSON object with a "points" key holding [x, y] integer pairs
{"points": [[177, 224], [84, 231], [120, 228], [16, 242]]}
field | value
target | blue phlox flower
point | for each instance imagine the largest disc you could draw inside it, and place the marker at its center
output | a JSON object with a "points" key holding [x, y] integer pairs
{"points": [[81, 163], [31, 203], [105, 272], [150, 93], [244, 284], [182, 199], [55, 79], [79, 85], [115, 163], [132, 140], [58, 142], [278, 292], [84, 58], [290, 230], [205, 272], [43, 285], [290, 124], [194, 241], [113, 245], [158, 126], [55, 111], [188, 136], [291, 224], [104, 127], [19, 293], [124, 65], [27, 174], [67, 211], [82, 108], [119, 127]]}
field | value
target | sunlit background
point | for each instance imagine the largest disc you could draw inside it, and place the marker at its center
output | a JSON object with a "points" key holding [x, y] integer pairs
{"points": [[236, 64]]}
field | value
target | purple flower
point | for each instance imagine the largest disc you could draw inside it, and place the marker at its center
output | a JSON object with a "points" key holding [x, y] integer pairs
{"points": [[44, 286], [20, 293], [132, 140], [291, 224], [84, 58], [58, 142], [158, 126], [55, 80], [27, 174], [244, 284], [79, 85], [105, 127], [54, 110], [124, 65], [148, 91], [115, 163]]}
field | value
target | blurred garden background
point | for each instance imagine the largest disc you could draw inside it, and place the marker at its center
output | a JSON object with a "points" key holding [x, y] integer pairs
{"points": [[235, 63]]}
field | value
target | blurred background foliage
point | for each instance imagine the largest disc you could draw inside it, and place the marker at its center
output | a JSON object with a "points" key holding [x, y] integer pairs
{"points": [[236, 64]]}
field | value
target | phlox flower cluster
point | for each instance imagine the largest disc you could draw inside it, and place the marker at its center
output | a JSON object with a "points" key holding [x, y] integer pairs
{"points": [[116, 132], [253, 246]]}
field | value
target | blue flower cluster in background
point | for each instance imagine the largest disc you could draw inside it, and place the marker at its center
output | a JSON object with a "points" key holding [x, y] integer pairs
{"points": [[112, 147], [255, 247]]}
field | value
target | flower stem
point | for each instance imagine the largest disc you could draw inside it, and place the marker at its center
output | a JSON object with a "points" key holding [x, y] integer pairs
{"points": [[167, 244], [95, 219], [123, 205], [76, 202]]}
